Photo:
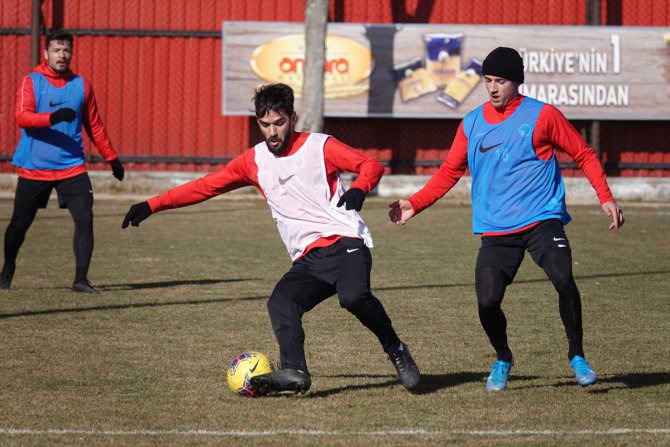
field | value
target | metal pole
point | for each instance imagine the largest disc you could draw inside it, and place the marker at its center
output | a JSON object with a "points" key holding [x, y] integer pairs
{"points": [[593, 12], [35, 33], [595, 139], [593, 17]]}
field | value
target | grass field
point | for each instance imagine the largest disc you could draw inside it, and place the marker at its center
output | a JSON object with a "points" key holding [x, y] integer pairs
{"points": [[144, 362]]}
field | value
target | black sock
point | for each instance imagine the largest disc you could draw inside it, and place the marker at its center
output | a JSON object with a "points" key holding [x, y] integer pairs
{"points": [[81, 274], [9, 267], [504, 354]]}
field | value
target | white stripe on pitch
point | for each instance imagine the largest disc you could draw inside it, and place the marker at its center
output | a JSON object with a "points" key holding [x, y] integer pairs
{"points": [[412, 432]]}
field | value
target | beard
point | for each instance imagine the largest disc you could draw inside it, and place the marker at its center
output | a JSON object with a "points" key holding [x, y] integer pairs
{"points": [[66, 67], [282, 143]]}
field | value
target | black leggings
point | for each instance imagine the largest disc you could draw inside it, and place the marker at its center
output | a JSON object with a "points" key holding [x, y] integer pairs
{"points": [[342, 269], [493, 275], [81, 210]]}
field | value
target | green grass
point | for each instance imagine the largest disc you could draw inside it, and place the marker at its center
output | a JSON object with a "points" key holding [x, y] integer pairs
{"points": [[185, 292]]}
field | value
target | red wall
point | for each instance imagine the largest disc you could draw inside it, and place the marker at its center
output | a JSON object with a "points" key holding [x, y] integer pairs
{"points": [[160, 96]]}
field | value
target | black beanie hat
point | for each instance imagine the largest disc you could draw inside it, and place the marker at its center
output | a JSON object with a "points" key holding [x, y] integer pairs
{"points": [[504, 62]]}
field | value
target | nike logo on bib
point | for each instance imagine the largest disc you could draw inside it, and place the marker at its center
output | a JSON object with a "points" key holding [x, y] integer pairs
{"points": [[483, 149], [282, 181], [54, 104]]}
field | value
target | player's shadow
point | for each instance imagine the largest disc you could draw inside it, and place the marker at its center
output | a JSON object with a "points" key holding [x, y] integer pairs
{"points": [[607, 383], [522, 281], [359, 386], [630, 381], [430, 383], [135, 305], [163, 284]]}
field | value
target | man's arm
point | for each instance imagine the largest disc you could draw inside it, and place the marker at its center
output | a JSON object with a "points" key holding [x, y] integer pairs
{"points": [[241, 171], [26, 107], [561, 134], [438, 185], [447, 176], [340, 157], [95, 129], [344, 158]]}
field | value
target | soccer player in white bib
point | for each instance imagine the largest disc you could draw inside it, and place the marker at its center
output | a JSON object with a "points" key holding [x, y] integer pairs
{"points": [[518, 201], [298, 174]]}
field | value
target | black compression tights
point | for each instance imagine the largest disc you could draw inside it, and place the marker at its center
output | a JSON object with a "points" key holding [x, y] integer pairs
{"points": [[16, 234], [490, 285], [559, 271], [82, 214]]}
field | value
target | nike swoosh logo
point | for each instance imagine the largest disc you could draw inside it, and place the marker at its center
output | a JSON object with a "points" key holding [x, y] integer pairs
{"points": [[351, 250], [483, 149], [254, 368], [282, 181], [561, 245], [556, 239], [54, 104]]}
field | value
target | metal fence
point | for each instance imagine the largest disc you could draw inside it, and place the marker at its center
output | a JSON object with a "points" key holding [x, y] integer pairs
{"points": [[155, 66]]}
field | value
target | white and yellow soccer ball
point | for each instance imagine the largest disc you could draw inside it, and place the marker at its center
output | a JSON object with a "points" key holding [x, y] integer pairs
{"points": [[245, 366]]}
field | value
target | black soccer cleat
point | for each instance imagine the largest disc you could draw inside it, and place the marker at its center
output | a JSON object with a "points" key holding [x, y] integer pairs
{"points": [[84, 286], [282, 380], [6, 279], [408, 372]]}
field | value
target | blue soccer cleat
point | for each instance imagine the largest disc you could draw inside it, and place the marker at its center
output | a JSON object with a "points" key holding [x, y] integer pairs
{"points": [[583, 372], [497, 380]]}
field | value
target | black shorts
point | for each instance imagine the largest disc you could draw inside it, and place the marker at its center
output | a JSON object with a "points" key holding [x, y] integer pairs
{"points": [[506, 252], [33, 194]]}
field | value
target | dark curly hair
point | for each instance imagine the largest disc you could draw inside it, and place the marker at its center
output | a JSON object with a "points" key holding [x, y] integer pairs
{"points": [[58, 34], [277, 97]]}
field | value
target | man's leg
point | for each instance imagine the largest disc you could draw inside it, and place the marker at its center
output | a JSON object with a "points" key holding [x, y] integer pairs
{"points": [[81, 210], [350, 268], [76, 194], [30, 196], [349, 265], [498, 260], [15, 234], [497, 263], [550, 249], [296, 293], [490, 285]]}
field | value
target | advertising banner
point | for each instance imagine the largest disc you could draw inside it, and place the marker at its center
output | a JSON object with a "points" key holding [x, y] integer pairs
{"points": [[434, 71]]}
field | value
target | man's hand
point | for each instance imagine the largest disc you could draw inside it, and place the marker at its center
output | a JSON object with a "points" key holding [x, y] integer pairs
{"points": [[117, 169], [64, 114], [616, 213], [401, 211], [353, 198], [136, 214]]}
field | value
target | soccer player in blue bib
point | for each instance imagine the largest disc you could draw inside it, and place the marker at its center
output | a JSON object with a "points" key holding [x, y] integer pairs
{"points": [[52, 106], [518, 201]]}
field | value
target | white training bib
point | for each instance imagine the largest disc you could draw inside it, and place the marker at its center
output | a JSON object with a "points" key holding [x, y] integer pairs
{"points": [[297, 191]]}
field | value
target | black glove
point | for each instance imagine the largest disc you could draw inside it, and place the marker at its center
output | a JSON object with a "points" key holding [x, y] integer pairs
{"points": [[136, 214], [117, 169], [354, 198], [64, 114]]}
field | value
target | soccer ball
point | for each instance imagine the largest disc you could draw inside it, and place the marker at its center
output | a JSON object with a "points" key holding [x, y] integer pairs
{"points": [[245, 366]]}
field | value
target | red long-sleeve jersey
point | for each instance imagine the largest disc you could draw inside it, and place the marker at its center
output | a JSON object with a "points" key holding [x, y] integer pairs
{"points": [[27, 117], [552, 131], [243, 171]]}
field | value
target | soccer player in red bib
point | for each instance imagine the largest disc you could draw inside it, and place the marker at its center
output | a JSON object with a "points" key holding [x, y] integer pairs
{"points": [[52, 106], [298, 174], [518, 201]]}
